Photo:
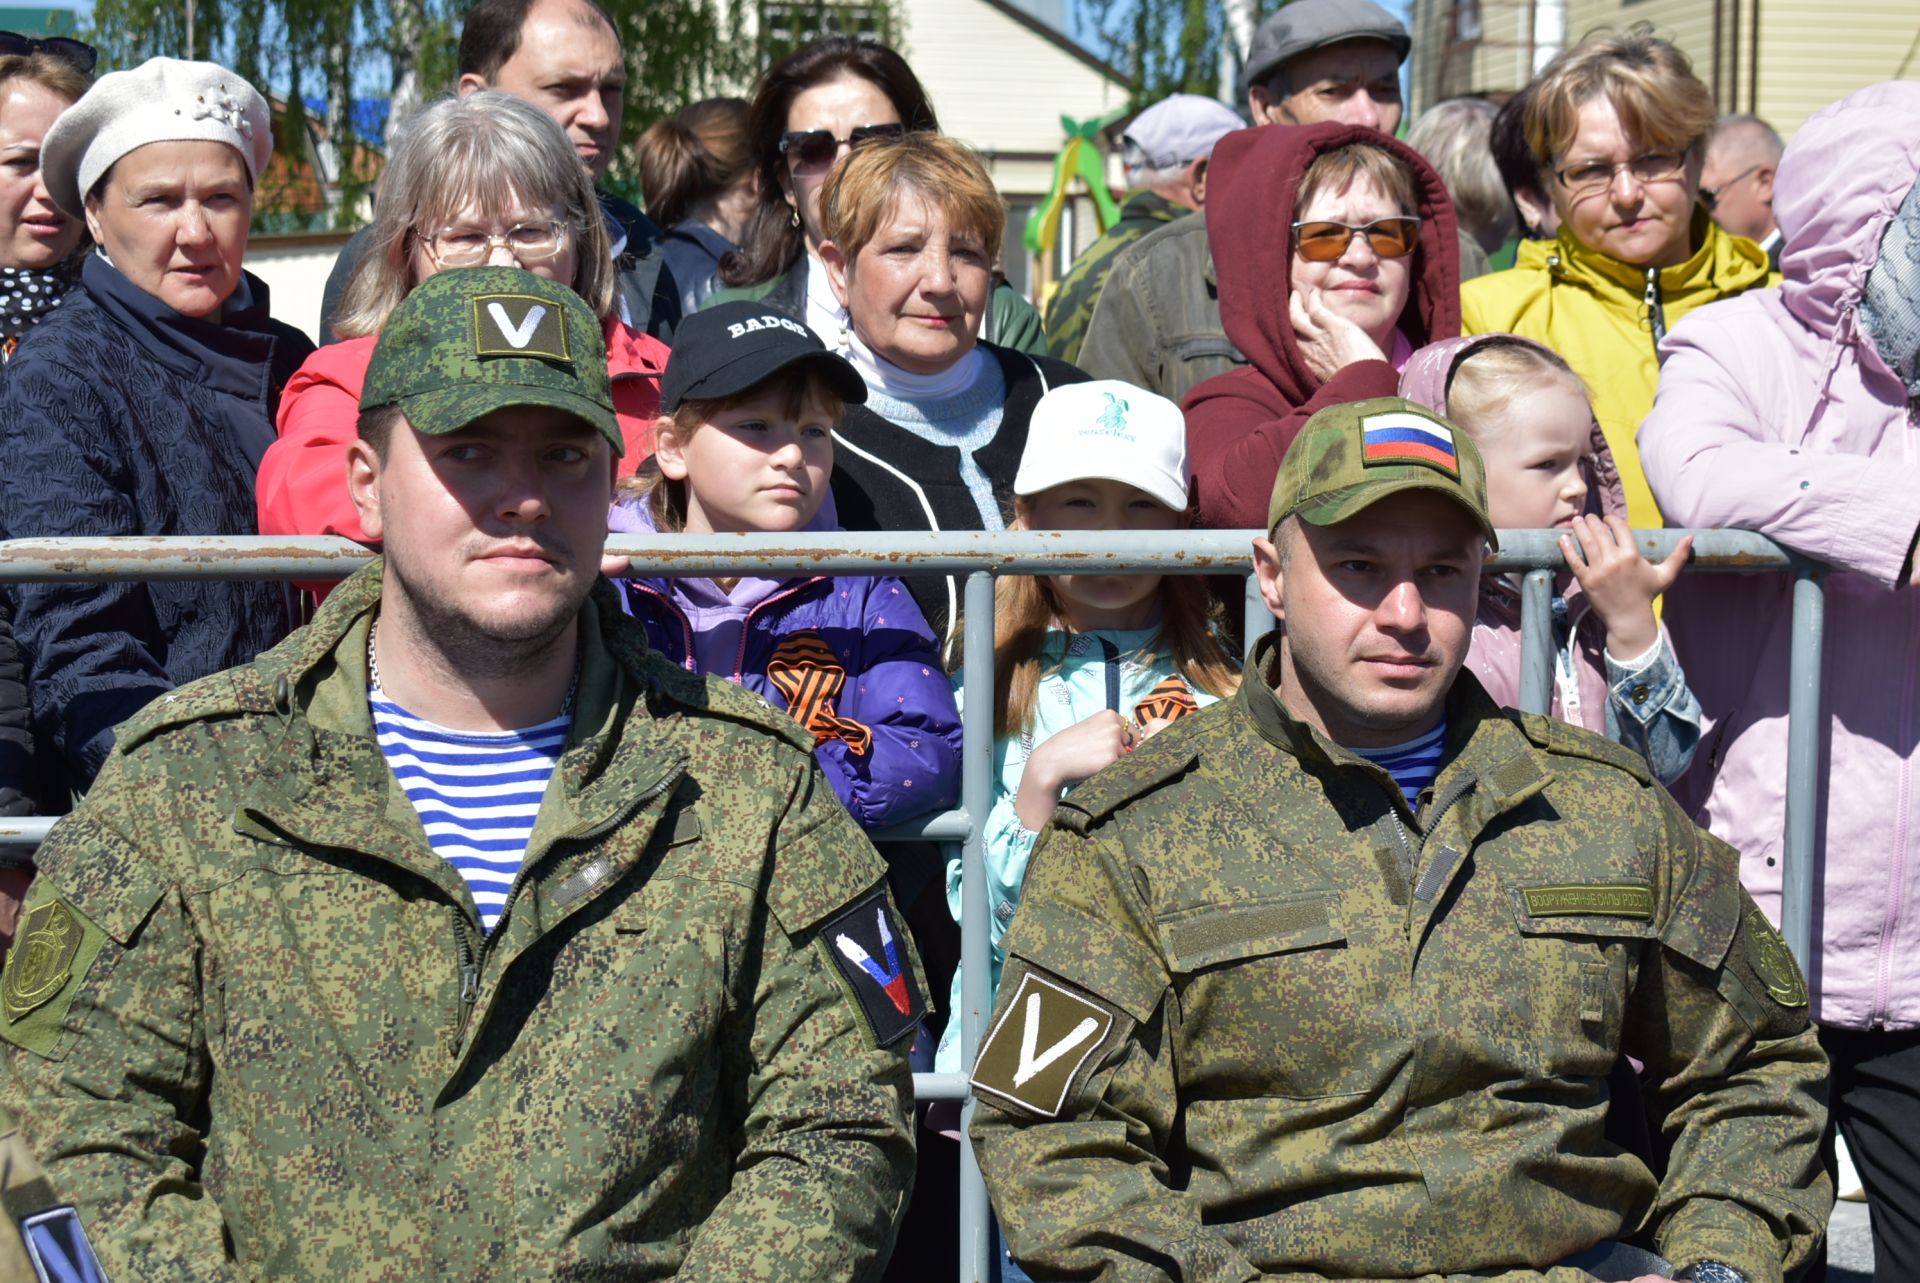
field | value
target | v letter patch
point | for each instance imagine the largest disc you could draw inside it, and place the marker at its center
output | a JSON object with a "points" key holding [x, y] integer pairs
{"points": [[519, 325], [869, 950], [518, 336], [1039, 1044]]}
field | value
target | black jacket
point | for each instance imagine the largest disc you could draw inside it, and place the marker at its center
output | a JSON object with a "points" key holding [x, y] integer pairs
{"points": [[119, 416], [885, 478], [645, 282], [16, 725]]}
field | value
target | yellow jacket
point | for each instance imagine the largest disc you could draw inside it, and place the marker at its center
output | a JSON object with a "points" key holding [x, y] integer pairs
{"points": [[1600, 314]]}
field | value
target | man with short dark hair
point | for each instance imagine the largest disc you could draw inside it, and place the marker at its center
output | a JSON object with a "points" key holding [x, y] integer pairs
{"points": [[1327, 981], [460, 936], [1166, 150], [1736, 183], [1156, 323], [564, 57]]}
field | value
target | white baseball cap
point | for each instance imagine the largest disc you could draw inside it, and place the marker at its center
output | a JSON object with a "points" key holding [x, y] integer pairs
{"points": [[1110, 431]]}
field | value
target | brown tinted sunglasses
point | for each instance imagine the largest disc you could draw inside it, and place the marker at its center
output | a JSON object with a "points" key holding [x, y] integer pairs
{"points": [[1323, 242], [816, 148]]}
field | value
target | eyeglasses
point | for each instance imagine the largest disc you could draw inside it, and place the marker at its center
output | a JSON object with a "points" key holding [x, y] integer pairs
{"points": [[1325, 241], [816, 148], [77, 54], [1710, 196], [1593, 176], [534, 242]]}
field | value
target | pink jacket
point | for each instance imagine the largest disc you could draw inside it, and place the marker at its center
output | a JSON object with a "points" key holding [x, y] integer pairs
{"points": [[1495, 654], [1776, 413]]}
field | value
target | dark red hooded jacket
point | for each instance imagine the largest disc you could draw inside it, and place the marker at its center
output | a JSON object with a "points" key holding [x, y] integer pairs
{"points": [[1239, 424]]}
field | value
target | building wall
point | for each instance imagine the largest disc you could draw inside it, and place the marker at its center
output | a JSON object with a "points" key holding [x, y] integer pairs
{"points": [[295, 269], [1484, 47], [1814, 52], [1001, 87], [1811, 52]]}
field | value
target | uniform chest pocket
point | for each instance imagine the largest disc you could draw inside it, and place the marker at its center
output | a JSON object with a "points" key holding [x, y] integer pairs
{"points": [[1270, 995], [1581, 948]]}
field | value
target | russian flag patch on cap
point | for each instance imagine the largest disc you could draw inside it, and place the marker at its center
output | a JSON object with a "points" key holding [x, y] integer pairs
{"points": [[1408, 438]]}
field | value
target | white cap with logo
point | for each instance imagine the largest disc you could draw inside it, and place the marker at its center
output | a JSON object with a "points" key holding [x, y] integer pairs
{"points": [[1110, 431]]}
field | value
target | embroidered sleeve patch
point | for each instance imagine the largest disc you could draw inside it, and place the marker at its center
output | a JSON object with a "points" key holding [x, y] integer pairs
{"points": [[58, 1249], [1772, 961], [1622, 900], [868, 946], [1039, 1043], [53, 946]]}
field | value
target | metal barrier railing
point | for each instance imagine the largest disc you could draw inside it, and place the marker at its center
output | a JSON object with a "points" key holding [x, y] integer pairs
{"points": [[980, 557]]}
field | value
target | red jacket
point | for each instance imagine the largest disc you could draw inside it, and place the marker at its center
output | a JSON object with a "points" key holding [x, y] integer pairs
{"points": [[1239, 424], [302, 486]]}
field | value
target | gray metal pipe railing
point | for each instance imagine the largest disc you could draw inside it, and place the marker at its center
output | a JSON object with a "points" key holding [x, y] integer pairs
{"points": [[981, 556], [1034, 552]]}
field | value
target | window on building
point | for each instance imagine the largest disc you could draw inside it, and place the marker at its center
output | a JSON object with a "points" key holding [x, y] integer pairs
{"points": [[1466, 19], [1013, 247], [785, 25]]}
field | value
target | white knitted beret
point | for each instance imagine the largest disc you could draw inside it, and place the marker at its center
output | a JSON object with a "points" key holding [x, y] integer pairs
{"points": [[163, 100]]}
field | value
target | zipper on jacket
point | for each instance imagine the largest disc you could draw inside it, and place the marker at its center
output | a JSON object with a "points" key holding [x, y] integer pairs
{"points": [[667, 782], [1897, 873], [471, 962], [746, 623], [686, 625], [1411, 852], [469, 974], [1656, 309]]}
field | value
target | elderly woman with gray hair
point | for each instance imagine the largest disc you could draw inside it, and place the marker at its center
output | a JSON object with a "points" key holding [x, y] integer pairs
{"points": [[484, 179], [142, 405], [1453, 136]]}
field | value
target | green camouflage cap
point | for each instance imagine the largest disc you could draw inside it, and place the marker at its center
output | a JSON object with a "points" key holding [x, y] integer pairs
{"points": [[1349, 457], [473, 340]]}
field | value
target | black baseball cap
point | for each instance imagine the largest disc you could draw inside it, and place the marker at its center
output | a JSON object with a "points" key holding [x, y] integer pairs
{"points": [[725, 350]]}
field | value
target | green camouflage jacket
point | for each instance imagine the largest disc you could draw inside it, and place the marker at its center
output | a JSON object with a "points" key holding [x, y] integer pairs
{"points": [[1072, 302], [1259, 1020], [257, 1034], [1156, 323]]}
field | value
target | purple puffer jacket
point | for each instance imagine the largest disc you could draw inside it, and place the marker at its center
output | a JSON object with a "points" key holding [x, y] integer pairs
{"points": [[1776, 413], [1495, 654], [851, 658]]}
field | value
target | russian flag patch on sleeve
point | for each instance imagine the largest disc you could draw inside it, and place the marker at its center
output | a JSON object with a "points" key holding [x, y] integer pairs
{"points": [[1408, 438], [870, 950]]}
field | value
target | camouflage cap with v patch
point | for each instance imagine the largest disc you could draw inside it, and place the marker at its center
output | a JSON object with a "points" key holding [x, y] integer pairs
{"points": [[474, 340]]}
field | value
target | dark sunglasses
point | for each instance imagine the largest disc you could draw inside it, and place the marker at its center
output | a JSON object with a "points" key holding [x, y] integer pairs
{"points": [[77, 54], [816, 148], [1323, 242]]}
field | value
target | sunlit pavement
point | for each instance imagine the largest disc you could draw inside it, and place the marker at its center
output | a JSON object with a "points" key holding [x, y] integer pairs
{"points": [[1849, 1245]]}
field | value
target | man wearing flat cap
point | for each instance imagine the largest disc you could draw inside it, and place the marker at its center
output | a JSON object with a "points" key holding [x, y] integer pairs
{"points": [[1166, 150], [460, 937], [1326, 982], [1156, 323]]}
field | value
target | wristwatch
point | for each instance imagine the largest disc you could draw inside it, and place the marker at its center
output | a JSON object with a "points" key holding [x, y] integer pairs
{"points": [[1710, 1272]]}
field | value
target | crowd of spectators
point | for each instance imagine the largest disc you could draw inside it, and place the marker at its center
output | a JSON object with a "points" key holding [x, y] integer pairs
{"points": [[1639, 313]]}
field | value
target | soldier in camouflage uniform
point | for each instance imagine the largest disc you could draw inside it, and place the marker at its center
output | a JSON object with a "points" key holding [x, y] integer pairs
{"points": [[1265, 1016], [256, 1028]]}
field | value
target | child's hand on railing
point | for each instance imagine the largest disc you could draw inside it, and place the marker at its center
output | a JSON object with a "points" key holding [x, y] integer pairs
{"points": [[1620, 582]]}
